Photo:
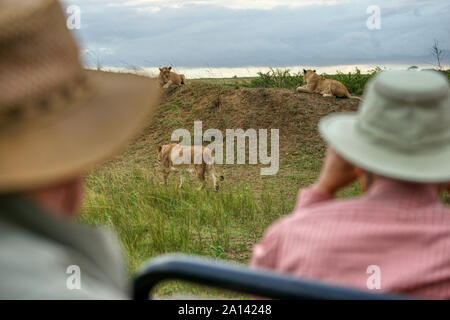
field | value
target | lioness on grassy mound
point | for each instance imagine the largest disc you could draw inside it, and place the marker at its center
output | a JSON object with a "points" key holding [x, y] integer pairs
{"points": [[174, 157], [167, 77], [326, 87]]}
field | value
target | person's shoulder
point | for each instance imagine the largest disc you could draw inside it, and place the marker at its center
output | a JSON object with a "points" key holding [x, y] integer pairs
{"points": [[324, 211], [19, 245], [332, 208], [32, 267]]}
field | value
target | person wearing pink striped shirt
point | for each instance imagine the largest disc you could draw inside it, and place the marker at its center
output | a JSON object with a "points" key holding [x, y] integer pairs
{"points": [[395, 238]]}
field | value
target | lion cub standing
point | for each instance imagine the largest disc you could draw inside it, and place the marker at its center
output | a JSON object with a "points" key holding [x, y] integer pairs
{"points": [[167, 77], [173, 157], [326, 87]]}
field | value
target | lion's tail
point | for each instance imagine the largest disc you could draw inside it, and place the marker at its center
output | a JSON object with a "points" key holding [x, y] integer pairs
{"points": [[355, 97]]}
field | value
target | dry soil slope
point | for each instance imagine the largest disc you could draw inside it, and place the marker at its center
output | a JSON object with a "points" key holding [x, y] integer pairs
{"points": [[295, 114]]}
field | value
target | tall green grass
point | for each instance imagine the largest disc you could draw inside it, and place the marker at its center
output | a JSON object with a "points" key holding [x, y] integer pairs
{"points": [[152, 219]]}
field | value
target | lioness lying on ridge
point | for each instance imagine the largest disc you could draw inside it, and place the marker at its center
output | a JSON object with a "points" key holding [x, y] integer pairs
{"points": [[167, 77], [326, 87], [174, 157]]}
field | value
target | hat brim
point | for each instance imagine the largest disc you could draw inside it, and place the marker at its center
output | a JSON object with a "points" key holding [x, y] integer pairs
{"points": [[339, 131], [78, 139]]}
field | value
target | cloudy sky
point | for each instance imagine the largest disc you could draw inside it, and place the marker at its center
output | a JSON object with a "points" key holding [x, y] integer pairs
{"points": [[243, 33]]}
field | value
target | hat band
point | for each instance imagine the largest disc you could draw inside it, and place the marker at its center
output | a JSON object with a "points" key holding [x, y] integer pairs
{"points": [[50, 103]]}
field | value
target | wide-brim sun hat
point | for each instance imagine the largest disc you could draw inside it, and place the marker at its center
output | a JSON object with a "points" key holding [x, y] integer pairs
{"points": [[401, 130], [58, 120]]}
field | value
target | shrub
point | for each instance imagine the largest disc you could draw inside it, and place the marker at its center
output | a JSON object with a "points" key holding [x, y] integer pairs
{"points": [[355, 82], [277, 78]]}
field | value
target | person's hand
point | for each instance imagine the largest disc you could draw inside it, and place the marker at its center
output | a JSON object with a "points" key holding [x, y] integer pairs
{"points": [[336, 173]]}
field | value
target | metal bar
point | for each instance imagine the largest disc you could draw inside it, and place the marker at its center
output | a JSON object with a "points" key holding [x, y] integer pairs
{"points": [[239, 278]]}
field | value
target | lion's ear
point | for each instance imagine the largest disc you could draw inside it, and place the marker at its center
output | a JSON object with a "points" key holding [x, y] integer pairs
{"points": [[160, 69], [304, 71], [170, 68], [158, 149], [314, 70]]}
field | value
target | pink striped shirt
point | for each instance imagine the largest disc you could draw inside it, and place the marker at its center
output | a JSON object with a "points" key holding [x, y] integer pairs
{"points": [[401, 228]]}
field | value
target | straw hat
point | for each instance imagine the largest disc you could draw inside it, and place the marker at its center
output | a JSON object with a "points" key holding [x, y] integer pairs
{"points": [[57, 119], [402, 129]]}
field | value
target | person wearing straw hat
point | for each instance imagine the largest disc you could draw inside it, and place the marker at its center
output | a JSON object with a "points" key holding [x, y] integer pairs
{"points": [[396, 237], [57, 120]]}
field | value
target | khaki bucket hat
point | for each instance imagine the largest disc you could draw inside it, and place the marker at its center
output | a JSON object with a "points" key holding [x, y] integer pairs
{"points": [[402, 129], [57, 119]]}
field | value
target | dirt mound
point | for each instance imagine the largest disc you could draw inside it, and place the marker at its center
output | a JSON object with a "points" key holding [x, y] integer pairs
{"points": [[295, 114]]}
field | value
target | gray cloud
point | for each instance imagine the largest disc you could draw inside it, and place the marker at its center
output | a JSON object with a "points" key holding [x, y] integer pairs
{"points": [[211, 35]]}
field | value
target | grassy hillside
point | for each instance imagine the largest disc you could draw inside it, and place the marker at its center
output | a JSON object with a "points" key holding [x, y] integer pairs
{"points": [[127, 192]]}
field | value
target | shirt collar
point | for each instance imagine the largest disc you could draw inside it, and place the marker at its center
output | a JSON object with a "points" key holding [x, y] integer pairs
{"points": [[408, 193]]}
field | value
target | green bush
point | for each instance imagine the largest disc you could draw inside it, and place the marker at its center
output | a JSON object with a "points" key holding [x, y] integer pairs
{"points": [[355, 82], [277, 78]]}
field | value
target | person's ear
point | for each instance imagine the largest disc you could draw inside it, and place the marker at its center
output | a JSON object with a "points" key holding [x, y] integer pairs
{"points": [[444, 187], [63, 199], [365, 178], [73, 195], [359, 172]]}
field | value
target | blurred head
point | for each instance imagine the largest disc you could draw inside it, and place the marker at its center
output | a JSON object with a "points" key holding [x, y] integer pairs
{"points": [[57, 119]]}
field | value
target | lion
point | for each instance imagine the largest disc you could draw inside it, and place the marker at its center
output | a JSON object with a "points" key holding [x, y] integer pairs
{"points": [[326, 87], [167, 77], [174, 157]]}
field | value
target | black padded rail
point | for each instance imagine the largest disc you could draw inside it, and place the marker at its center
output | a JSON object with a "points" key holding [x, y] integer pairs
{"points": [[241, 279]]}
